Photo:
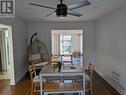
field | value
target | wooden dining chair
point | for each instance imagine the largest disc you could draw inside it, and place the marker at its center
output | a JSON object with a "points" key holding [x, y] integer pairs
{"points": [[35, 82], [88, 79]]}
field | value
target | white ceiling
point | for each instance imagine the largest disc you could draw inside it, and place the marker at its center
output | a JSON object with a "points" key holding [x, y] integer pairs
{"points": [[97, 9]]}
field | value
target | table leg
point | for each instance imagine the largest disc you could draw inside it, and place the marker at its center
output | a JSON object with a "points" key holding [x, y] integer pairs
{"points": [[45, 93], [41, 84], [83, 84]]}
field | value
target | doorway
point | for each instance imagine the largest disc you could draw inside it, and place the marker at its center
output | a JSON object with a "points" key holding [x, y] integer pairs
{"points": [[6, 54], [67, 45]]}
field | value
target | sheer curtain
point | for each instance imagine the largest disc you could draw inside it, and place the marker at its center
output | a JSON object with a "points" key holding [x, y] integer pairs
{"points": [[56, 44]]}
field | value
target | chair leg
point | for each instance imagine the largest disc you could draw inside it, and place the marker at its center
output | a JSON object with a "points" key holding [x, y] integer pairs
{"points": [[32, 88], [91, 91], [35, 89], [45, 93], [82, 93]]}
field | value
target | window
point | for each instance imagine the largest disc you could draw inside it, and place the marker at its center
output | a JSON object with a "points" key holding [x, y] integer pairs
{"points": [[65, 44]]}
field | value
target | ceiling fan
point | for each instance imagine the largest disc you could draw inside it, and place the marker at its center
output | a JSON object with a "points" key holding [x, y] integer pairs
{"points": [[62, 9]]}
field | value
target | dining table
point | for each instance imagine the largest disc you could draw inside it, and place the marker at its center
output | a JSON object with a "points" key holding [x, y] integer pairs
{"points": [[66, 71]]}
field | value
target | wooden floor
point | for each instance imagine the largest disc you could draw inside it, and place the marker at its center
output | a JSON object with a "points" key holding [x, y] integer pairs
{"points": [[100, 87]]}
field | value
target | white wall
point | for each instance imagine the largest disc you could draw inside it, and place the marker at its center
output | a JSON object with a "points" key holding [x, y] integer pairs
{"points": [[44, 34], [111, 45], [19, 35], [76, 41]]}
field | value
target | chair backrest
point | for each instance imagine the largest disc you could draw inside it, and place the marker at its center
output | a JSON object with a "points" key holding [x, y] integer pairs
{"points": [[90, 69], [32, 71], [90, 72], [37, 50], [53, 59]]}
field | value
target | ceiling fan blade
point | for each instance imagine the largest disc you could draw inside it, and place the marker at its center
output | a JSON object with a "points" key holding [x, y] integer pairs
{"points": [[49, 14], [79, 4], [73, 13], [42, 6]]}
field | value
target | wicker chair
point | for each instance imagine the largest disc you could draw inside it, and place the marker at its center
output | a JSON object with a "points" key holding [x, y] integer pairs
{"points": [[37, 54]]}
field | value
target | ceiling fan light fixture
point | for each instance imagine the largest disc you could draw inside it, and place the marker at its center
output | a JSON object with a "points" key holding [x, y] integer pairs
{"points": [[61, 10]]}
